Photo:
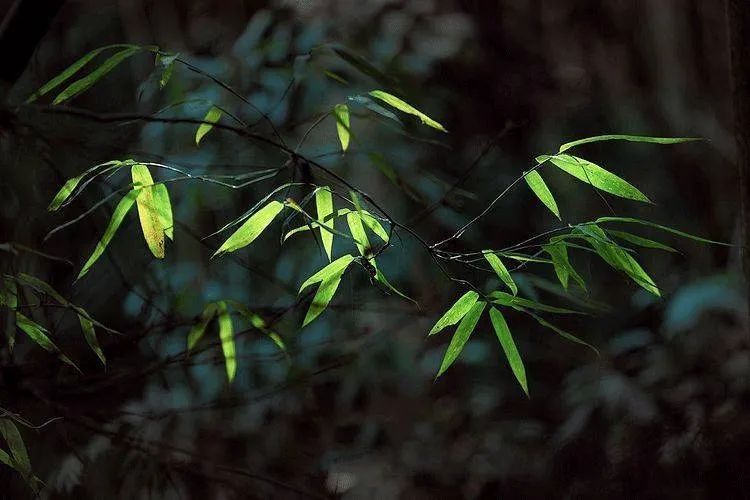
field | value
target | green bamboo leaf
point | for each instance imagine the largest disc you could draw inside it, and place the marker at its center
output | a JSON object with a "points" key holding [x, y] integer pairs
{"points": [[456, 312], [85, 83], [323, 296], [361, 64], [559, 331], [324, 206], [122, 208], [167, 62], [357, 230], [380, 278], [640, 241], [39, 334], [341, 113], [406, 108], [593, 174], [558, 251], [338, 266], [463, 332], [64, 193], [19, 457], [509, 348], [663, 228], [163, 207], [251, 229], [506, 299], [87, 327], [199, 329], [149, 211], [374, 225], [226, 335], [213, 116], [8, 293], [630, 138], [336, 78], [539, 187], [368, 103], [500, 269]]}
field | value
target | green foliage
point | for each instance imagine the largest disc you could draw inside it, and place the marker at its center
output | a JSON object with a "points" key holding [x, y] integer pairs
{"points": [[500, 269], [463, 332], [324, 206], [341, 113], [212, 116], [509, 348], [456, 312], [539, 188], [407, 108], [251, 229]]}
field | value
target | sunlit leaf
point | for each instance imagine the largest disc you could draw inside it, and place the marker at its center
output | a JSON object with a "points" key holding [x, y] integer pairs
{"points": [[593, 174], [509, 348], [463, 332], [323, 297], [560, 331], [368, 103], [87, 327], [324, 206], [226, 335], [163, 207], [630, 138], [640, 241], [539, 187], [85, 83], [118, 215], [149, 211], [563, 268], [64, 193], [357, 230], [338, 266], [341, 113], [251, 229], [457, 311], [39, 334], [659, 226], [406, 108], [211, 117], [500, 269], [199, 329]]}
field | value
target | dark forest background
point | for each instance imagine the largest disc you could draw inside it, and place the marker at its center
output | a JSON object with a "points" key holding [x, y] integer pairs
{"points": [[353, 411]]}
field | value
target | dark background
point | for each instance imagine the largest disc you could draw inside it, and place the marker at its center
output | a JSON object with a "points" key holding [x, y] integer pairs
{"points": [[354, 410]]}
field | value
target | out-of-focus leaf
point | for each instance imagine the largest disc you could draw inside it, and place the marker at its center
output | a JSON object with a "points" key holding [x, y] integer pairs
{"points": [[39, 334], [509, 348], [457, 311], [338, 266], [463, 332], [118, 215], [87, 327], [8, 293], [539, 187], [64, 193], [500, 270], [149, 210], [18, 455], [164, 209], [406, 108], [630, 138], [333, 76], [85, 83], [213, 116], [199, 329], [226, 335], [251, 229], [361, 64], [341, 113], [324, 206], [167, 63], [593, 174]]}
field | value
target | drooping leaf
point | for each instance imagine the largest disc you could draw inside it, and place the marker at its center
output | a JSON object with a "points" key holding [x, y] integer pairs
{"points": [[640, 241], [85, 83], [602, 220], [456, 312], [8, 293], [251, 229], [506, 299], [199, 329], [64, 193], [361, 64], [368, 103], [380, 278], [563, 268], [164, 209], [338, 266], [630, 138], [87, 327], [167, 62], [559, 331], [324, 206], [122, 208], [323, 296], [593, 174], [357, 230], [509, 348], [463, 332], [539, 187], [406, 108], [226, 335], [19, 457], [213, 116], [39, 334], [149, 210], [341, 113], [374, 225], [500, 269]]}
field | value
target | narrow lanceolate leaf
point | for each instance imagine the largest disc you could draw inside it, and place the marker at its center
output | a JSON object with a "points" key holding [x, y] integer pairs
{"points": [[87, 327], [64, 193], [463, 332], [500, 269], [630, 138], [39, 334], [361, 64], [323, 296], [19, 457], [602, 179], [85, 83], [506, 299], [167, 62], [341, 113], [457, 311], [118, 215], [374, 225], [640, 241], [663, 228], [560, 331], [509, 348], [539, 187], [251, 229], [357, 231], [338, 266], [211, 117], [563, 269], [324, 206], [8, 293], [199, 329], [226, 335], [406, 108], [163, 207], [148, 211]]}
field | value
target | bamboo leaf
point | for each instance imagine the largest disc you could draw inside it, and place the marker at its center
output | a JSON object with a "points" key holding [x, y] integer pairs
{"points": [[500, 269], [640, 241], [251, 229], [357, 230], [593, 174], [163, 207], [559, 331], [341, 113], [323, 296], [663, 228], [539, 187], [118, 215], [226, 335], [463, 332], [85, 83], [213, 116], [18, 454], [509, 348], [506, 299], [64, 193], [149, 211], [406, 108], [338, 266], [456, 312], [39, 334], [87, 327], [8, 293], [324, 206], [199, 329], [630, 138]]}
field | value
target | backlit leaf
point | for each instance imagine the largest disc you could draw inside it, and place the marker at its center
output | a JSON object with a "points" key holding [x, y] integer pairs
{"points": [[357, 230], [85, 83], [338, 266], [251, 229], [659, 226], [509, 348], [341, 113], [630, 138], [406, 108], [87, 327], [463, 332], [640, 241], [148, 211], [324, 206], [211, 117], [500, 269], [457, 311], [539, 187], [64, 193], [323, 296], [39, 334], [506, 299], [593, 174], [226, 335], [199, 329]]}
